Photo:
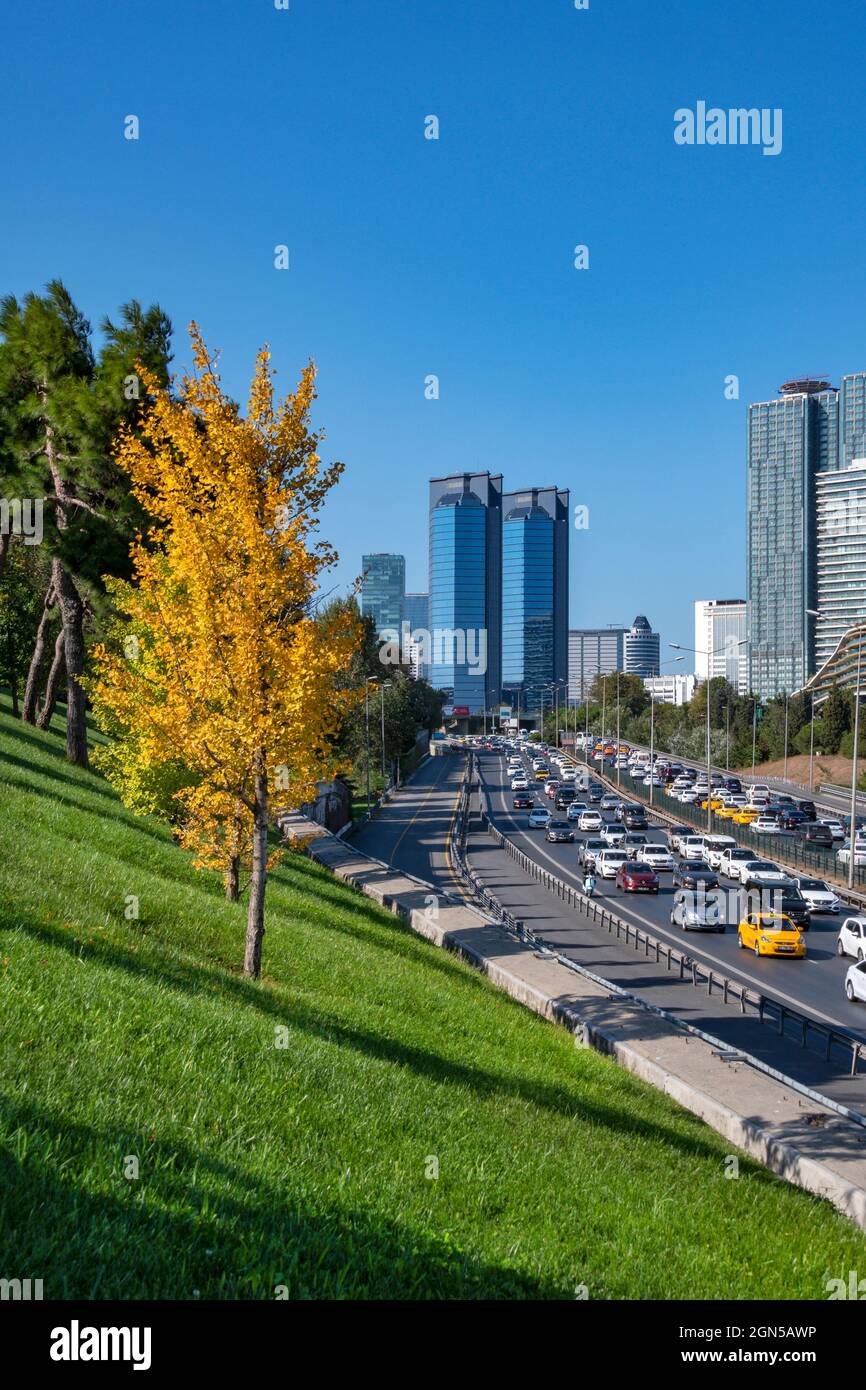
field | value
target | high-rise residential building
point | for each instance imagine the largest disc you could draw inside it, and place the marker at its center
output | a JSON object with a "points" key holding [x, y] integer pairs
{"points": [[535, 527], [642, 649], [593, 651], [671, 689], [416, 619], [791, 440], [805, 535], [721, 626], [383, 584], [466, 589], [840, 555]]}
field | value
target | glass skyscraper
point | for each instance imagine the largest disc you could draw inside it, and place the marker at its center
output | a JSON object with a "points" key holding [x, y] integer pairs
{"points": [[593, 651], [465, 589], [721, 625], [641, 649], [383, 584], [840, 555], [534, 595], [416, 618], [791, 440]]}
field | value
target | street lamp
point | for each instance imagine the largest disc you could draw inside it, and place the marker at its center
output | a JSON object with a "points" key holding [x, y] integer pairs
{"points": [[698, 652], [814, 613], [368, 681], [383, 686], [672, 662]]}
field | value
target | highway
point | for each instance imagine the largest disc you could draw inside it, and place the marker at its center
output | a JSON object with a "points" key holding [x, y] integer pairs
{"points": [[412, 831]]}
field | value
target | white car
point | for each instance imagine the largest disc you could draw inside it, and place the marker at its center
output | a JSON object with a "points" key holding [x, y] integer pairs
{"points": [[613, 833], [758, 789], [818, 894], [539, 818], [762, 873], [835, 827], [714, 848], [844, 855], [519, 784], [688, 795], [610, 803], [765, 825], [607, 861], [568, 774], [855, 981], [691, 846], [590, 820], [851, 940], [733, 862], [656, 857]]}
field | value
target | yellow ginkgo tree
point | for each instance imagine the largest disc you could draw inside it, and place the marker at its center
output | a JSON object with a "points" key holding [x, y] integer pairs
{"points": [[225, 671]]}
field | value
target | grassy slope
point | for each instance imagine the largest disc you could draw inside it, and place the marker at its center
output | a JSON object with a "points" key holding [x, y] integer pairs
{"points": [[306, 1165]]}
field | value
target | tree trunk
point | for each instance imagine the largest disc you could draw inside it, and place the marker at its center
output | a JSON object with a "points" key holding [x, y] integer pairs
{"points": [[256, 909], [13, 671], [5, 537], [72, 613], [53, 683], [233, 875], [31, 689]]}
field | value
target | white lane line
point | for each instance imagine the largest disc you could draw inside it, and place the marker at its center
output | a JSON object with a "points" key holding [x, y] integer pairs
{"points": [[659, 929]]}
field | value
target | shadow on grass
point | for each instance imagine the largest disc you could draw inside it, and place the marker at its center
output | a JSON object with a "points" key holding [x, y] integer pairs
{"points": [[198, 1233], [198, 981]]}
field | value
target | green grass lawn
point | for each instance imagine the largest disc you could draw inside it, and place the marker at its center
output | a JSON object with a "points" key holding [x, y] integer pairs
{"points": [[307, 1165]]}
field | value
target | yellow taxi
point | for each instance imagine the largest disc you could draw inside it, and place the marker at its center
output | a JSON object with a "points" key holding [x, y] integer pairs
{"points": [[727, 812], [715, 804], [770, 934], [745, 816]]}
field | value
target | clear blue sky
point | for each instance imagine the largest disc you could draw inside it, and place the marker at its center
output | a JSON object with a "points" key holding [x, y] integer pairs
{"points": [[410, 257]]}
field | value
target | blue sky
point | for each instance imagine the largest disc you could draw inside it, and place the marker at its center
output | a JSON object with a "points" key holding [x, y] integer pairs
{"points": [[455, 257]]}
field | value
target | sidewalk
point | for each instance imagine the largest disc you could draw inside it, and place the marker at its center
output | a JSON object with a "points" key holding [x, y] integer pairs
{"points": [[814, 1148]]}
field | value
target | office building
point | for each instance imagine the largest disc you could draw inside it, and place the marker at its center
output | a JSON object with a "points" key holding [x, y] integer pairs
{"points": [[641, 649], [466, 589], [535, 527], [595, 651], [721, 625], [672, 689], [840, 555], [383, 584], [416, 619]]}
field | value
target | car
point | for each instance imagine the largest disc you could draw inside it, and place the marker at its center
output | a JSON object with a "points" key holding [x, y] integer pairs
{"points": [[568, 774], [818, 894], [851, 940], [788, 900], [590, 820], [657, 857], [688, 795], [792, 820], [607, 861], [691, 846], [745, 815], [811, 833], [610, 803], [634, 817], [675, 834], [634, 877], [714, 847], [613, 833], [594, 795], [589, 851], [761, 873], [836, 828], [542, 774], [633, 842], [855, 981], [575, 810], [519, 784], [843, 855], [539, 818], [770, 934], [551, 786], [767, 825], [694, 873], [732, 861], [523, 801], [758, 789], [564, 798], [808, 808], [699, 912], [559, 832]]}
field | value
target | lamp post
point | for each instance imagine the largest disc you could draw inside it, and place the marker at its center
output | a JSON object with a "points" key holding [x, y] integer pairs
{"points": [[754, 731], [383, 686], [653, 726], [698, 652], [368, 681], [785, 771]]}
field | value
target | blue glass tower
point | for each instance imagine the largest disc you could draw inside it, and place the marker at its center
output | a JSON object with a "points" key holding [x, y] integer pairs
{"points": [[534, 595], [465, 580]]}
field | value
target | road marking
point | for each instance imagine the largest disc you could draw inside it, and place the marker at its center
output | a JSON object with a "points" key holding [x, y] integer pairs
{"points": [[736, 969]]}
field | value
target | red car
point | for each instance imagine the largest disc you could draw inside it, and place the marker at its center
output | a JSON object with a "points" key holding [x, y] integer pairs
{"points": [[523, 801], [632, 877]]}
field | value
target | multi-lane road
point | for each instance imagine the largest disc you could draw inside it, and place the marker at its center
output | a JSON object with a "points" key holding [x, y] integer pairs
{"points": [[413, 833]]}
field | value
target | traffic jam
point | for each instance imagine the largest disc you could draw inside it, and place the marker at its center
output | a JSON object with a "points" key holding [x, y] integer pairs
{"points": [[713, 883]]}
